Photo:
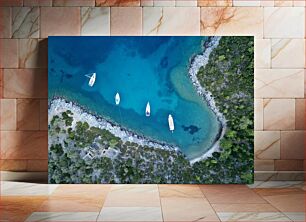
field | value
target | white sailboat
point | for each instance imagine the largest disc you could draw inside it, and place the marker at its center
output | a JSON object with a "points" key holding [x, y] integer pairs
{"points": [[148, 109], [92, 79], [171, 123], [117, 98]]}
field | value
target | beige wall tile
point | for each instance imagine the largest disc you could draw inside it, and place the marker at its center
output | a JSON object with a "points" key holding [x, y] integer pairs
{"points": [[289, 165], [118, 3], [25, 83], [33, 53], [8, 114], [264, 165], [27, 114], [279, 114], [171, 21], [284, 22], [51, 17], [300, 114], [262, 53], [120, 25], [24, 145], [186, 3], [266, 3], [292, 144], [4, 3], [220, 3], [73, 2], [258, 114], [279, 83], [246, 3], [146, 2], [95, 21], [162, 3], [299, 3], [1, 83], [267, 145], [280, 3], [305, 82], [25, 22], [43, 115], [37, 2], [37, 165], [232, 21], [283, 50], [5, 22], [13, 165], [8, 53]]}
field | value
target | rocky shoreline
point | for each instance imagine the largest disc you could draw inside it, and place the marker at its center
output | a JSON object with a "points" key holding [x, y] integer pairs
{"points": [[196, 63], [59, 104]]}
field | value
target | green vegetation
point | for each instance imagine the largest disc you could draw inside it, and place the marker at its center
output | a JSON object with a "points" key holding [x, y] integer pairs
{"points": [[228, 76]]}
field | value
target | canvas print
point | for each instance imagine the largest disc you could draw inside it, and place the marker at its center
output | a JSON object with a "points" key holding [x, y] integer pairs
{"points": [[158, 109]]}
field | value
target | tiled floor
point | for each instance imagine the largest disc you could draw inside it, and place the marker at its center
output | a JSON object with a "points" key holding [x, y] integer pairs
{"points": [[42, 202]]}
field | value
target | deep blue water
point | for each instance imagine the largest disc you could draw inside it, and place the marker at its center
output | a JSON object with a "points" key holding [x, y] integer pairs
{"points": [[141, 69]]}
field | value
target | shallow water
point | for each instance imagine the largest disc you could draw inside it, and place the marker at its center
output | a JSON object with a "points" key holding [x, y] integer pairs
{"points": [[141, 69]]}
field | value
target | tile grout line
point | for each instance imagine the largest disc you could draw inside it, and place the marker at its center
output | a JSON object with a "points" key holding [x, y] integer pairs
{"points": [[161, 208], [209, 203]]}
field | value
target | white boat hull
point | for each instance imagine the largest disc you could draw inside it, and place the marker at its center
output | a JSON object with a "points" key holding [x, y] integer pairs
{"points": [[117, 99], [148, 110], [171, 123]]}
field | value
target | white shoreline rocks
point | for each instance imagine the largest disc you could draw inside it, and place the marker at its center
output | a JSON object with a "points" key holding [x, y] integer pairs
{"points": [[199, 61], [58, 105]]}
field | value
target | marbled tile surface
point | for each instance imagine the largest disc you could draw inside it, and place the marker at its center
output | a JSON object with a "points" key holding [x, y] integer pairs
{"points": [[8, 114], [95, 21], [23, 144], [178, 203], [119, 25], [63, 216], [278, 22], [52, 17], [279, 83], [232, 21], [5, 22], [279, 114], [33, 53], [25, 22], [25, 83], [251, 216], [9, 188], [27, 114], [134, 196], [283, 50], [171, 21], [130, 214], [267, 144]]}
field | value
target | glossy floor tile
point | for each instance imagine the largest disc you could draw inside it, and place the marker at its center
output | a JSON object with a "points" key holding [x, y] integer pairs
{"points": [[63, 216], [169, 203], [251, 216], [230, 194], [9, 188], [18, 208], [133, 196], [130, 214]]}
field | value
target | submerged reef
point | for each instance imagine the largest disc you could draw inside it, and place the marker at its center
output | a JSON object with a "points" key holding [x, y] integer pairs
{"points": [[84, 148]]}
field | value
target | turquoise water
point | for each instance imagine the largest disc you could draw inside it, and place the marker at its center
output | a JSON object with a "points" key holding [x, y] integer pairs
{"points": [[141, 69]]}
